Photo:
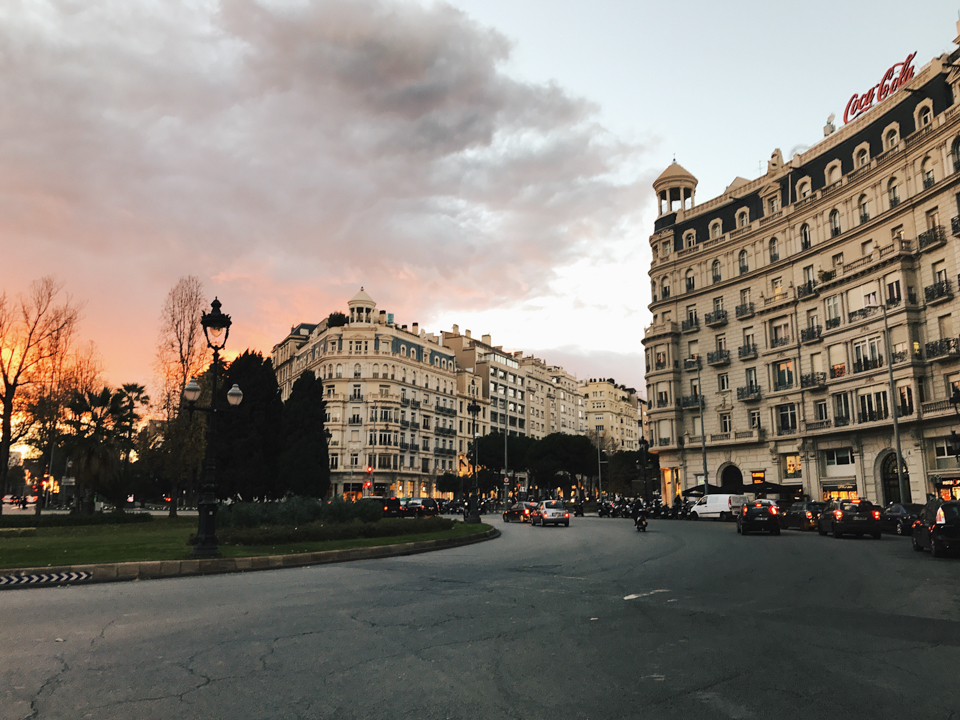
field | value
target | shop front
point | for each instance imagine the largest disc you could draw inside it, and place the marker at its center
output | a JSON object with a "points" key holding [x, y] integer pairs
{"points": [[948, 488], [839, 490]]}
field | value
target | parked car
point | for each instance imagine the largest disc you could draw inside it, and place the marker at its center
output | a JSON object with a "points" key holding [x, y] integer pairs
{"points": [[759, 515], [10, 499], [550, 512], [519, 512], [850, 517], [802, 515], [899, 518], [722, 505], [938, 527], [390, 506]]}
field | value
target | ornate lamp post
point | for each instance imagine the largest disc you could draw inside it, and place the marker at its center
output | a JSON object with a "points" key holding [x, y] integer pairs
{"points": [[644, 446], [216, 328], [473, 514]]}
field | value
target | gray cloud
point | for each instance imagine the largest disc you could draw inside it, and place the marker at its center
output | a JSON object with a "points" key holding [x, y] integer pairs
{"points": [[294, 150]]}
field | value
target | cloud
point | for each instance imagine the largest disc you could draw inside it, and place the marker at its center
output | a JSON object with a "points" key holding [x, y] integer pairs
{"points": [[293, 151]]}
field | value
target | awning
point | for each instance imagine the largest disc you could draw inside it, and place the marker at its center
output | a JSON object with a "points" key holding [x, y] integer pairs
{"points": [[697, 490]]}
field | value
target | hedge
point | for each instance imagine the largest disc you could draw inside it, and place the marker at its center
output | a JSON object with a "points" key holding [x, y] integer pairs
{"points": [[297, 511], [72, 520], [320, 532]]}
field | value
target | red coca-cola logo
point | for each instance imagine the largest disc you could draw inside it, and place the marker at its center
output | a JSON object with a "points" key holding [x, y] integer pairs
{"points": [[859, 104]]}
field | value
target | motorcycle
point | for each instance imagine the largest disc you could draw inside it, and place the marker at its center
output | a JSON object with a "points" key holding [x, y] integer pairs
{"points": [[578, 510], [640, 522]]}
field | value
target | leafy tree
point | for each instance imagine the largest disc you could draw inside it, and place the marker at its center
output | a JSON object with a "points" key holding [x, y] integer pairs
{"points": [[35, 329], [336, 319], [490, 451], [449, 483], [622, 472], [304, 465], [557, 459], [248, 436]]}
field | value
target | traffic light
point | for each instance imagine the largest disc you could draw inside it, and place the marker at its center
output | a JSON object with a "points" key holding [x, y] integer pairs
{"points": [[369, 468]]}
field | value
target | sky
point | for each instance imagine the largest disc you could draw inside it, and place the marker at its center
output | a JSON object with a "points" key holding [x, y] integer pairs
{"points": [[480, 162]]}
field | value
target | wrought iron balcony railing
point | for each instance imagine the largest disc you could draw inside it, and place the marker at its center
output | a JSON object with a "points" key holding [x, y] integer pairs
{"points": [[745, 310], [811, 333], [747, 351]]}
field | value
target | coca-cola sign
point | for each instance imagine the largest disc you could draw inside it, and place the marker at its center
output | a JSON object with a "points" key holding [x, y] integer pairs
{"points": [[891, 82]]}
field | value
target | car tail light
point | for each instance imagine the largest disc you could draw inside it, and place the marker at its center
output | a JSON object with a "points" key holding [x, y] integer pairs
{"points": [[773, 509], [744, 509], [566, 515], [941, 520], [876, 514], [838, 514], [809, 514], [385, 508]]}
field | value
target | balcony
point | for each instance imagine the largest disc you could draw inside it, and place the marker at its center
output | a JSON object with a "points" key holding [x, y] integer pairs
{"points": [[864, 217], [404, 401], [355, 420], [955, 225], [745, 311], [872, 416], [867, 364], [663, 402], [716, 318], [838, 371], [814, 381], [841, 420], [664, 442], [805, 244], [894, 201], [779, 342], [835, 230], [942, 348], [756, 435], [690, 325], [904, 356], [748, 392], [414, 403], [688, 401], [811, 334], [932, 238], [774, 257], [691, 285], [808, 289], [928, 182], [692, 363], [818, 425], [716, 278], [793, 475], [664, 328], [832, 323], [938, 292], [744, 269], [404, 423], [719, 357], [863, 313], [787, 430], [356, 396], [747, 352], [781, 385]]}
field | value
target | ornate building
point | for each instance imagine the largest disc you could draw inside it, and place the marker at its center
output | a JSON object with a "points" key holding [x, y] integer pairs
{"points": [[805, 313]]}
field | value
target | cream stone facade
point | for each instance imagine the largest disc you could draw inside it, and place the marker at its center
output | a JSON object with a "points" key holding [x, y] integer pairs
{"points": [[612, 413], [801, 310]]}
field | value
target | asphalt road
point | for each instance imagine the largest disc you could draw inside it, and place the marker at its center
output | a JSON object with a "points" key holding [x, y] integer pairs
{"points": [[689, 620]]}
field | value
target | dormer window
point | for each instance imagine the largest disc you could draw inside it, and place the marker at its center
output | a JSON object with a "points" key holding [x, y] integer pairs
{"points": [[803, 190], [690, 240], [716, 230], [742, 219], [924, 117], [891, 139], [862, 157]]}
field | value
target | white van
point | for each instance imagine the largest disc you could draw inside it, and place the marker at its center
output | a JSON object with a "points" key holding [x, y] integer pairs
{"points": [[721, 505]]}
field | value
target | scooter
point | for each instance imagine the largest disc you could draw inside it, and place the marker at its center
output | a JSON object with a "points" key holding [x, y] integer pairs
{"points": [[640, 522]]}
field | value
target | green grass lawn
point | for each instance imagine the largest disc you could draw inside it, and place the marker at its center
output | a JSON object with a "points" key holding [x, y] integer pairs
{"points": [[162, 539]]}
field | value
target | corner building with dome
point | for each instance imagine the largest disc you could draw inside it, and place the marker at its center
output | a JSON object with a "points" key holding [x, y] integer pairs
{"points": [[802, 312]]}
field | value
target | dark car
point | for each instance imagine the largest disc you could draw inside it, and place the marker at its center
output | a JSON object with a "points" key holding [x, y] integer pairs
{"points": [[390, 506], [850, 517], [802, 515], [421, 507], [899, 518], [938, 527], [519, 512], [759, 515]]}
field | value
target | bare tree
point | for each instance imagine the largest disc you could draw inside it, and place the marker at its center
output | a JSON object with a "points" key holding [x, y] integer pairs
{"points": [[181, 355], [35, 332]]}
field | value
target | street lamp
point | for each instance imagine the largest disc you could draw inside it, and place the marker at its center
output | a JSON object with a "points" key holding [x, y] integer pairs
{"points": [[473, 513], [644, 446], [216, 328], [955, 440]]}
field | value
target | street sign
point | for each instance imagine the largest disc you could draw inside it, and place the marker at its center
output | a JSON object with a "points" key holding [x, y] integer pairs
{"points": [[66, 482]]}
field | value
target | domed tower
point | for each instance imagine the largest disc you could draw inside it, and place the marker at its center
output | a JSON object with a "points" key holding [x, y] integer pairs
{"points": [[675, 185], [362, 308]]}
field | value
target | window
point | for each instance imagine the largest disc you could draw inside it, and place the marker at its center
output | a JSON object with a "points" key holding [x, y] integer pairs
{"points": [[692, 314], [777, 285], [784, 374], [832, 305], [891, 139], [944, 451], [939, 272], [862, 157], [691, 283], [820, 410], [794, 468], [726, 425], [716, 271], [723, 382], [893, 193], [923, 119], [774, 250], [717, 304], [742, 258], [834, 223], [786, 418], [803, 190], [751, 377], [716, 230], [780, 331], [841, 407], [754, 419], [334, 461], [863, 204], [904, 398], [742, 219], [841, 456], [689, 240], [838, 260]]}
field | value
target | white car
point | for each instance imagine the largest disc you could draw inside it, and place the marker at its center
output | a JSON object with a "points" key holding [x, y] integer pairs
{"points": [[550, 512]]}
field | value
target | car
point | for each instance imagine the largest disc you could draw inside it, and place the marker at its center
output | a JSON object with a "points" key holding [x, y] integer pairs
{"points": [[759, 515], [938, 527], [550, 512], [10, 499], [390, 506], [850, 517], [899, 518], [421, 507], [519, 512], [802, 515]]}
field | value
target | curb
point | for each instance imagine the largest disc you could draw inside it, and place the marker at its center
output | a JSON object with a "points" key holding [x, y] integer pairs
{"points": [[155, 569]]}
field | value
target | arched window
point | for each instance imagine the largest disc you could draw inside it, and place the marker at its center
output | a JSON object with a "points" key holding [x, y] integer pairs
{"points": [[691, 282], [805, 240], [742, 219], [803, 190], [665, 288], [891, 139], [862, 157], [833, 176], [774, 250], [376, 370], [715, 270], [653, 290], [955, 152], [926, 172], [690, 239], [893, 192], [864, 204], [356, 370], [742, 260], [923, 119], [339, 370], [393, 372], [834, 223], [716, 230]]}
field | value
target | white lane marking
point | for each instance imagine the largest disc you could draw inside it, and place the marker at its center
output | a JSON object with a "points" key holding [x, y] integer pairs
{"points": [[643, 595]]}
